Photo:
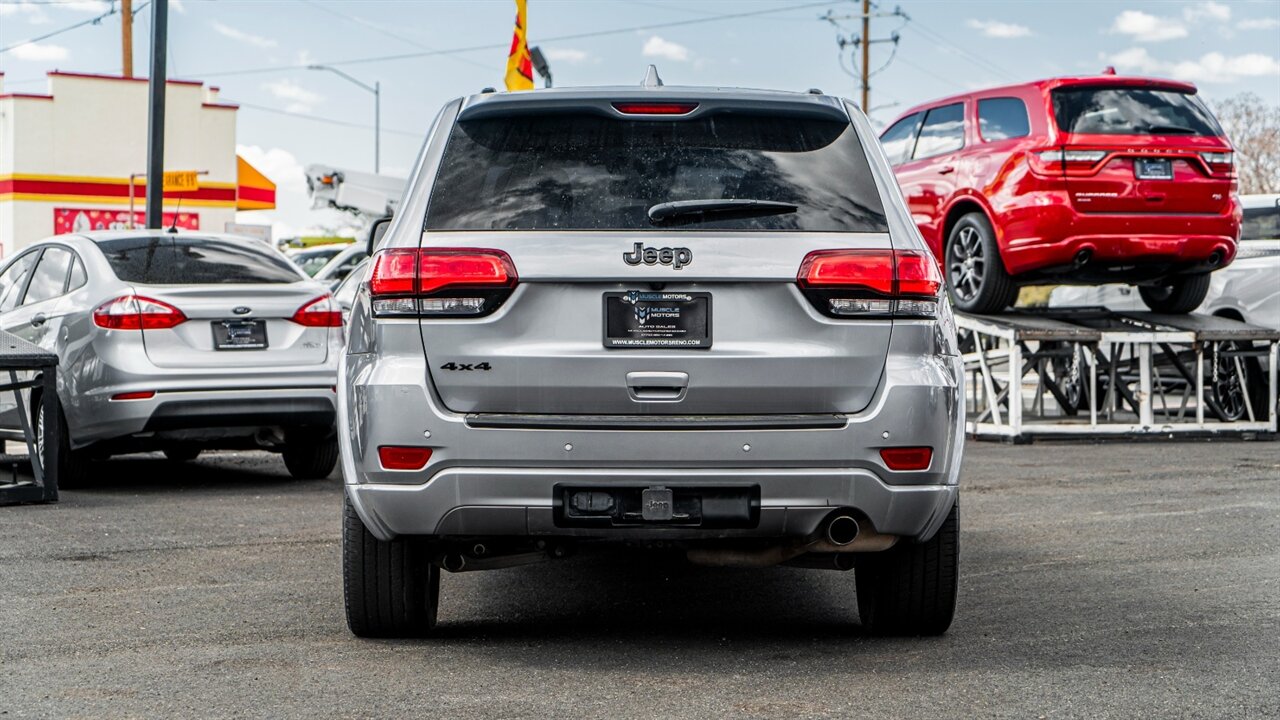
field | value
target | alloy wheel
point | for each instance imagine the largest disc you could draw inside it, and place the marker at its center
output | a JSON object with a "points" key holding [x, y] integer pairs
{"points": [[1225, 384], [966, 264]]}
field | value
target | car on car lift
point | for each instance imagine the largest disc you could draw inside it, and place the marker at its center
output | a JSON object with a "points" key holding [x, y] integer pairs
{"points": [[1081, 180]]}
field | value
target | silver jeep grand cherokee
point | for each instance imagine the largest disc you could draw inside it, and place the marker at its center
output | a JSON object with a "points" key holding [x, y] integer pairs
{"points": [[682, 318]]}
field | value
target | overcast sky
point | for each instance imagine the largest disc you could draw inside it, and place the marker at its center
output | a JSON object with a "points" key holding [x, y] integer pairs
{"points": [[425, 52]]}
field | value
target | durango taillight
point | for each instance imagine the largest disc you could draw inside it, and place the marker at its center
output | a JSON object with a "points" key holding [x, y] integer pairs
{"points": [[135, 312], [439, 282], [318, 313], [1223, 162], [871, 283]]}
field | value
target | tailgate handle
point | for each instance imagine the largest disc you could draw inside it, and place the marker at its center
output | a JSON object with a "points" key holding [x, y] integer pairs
{"points": [[657, 386]]}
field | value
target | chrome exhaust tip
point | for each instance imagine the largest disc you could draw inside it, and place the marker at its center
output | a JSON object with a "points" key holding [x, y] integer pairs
{"points": [[842, 530]]}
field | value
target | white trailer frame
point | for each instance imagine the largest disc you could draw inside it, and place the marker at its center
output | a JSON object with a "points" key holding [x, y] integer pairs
{"points": [[1126, 397]]}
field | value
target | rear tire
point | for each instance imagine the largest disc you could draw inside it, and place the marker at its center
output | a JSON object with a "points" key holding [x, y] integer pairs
{"points": [[310, 458], [976, 278], [1179, 297], [392, 590], [181, 453], [910, 589], [73, 465]]}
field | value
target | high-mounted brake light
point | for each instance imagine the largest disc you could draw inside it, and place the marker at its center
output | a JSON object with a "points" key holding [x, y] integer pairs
{"points": [[900, 283], [135, 312], [654, 108], [440, 282], [318, 313]]}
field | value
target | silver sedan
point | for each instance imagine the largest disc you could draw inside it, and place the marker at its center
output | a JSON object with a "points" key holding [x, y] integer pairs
{"points": [[179, 343]]}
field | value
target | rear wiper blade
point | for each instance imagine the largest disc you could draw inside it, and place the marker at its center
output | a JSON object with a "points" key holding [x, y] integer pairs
{"points": [[699, 210], [1174, 129]]}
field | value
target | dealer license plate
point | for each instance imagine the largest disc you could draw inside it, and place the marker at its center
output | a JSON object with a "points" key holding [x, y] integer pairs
{"points": [[640, 319], [1153, 169], [239, 335]]}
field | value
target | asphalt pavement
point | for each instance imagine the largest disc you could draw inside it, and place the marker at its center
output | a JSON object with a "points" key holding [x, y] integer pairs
{"points": [[1109, 580]]}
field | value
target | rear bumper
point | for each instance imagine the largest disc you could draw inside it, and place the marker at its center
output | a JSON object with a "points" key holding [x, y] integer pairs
{"points": [[1180, 241], [500, 480], [193, 410], [518, 501]]}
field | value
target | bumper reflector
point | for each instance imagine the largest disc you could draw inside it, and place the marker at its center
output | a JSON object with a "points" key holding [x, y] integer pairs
{"points": [[136, 395], [907, 458], [401, 457]]}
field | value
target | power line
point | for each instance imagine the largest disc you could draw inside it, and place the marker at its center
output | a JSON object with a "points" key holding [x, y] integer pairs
{"points": [[975, 59], [91, 21], [378, 28], [327, 121], [504, 45]]}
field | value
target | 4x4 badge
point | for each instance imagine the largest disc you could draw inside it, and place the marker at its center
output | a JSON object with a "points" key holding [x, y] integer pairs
{"points": [[675, 257]]}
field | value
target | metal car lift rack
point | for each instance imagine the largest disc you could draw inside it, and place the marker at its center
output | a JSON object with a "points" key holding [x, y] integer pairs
{"points": [[1133, 373], [40, 370]]}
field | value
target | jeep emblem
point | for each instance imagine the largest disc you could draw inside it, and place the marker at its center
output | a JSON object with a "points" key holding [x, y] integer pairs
{"points": [[675, 257]]}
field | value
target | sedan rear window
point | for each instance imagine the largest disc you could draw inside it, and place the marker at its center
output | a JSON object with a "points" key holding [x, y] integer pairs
{"points": [[185, 260], [1131, 111], [590, 172]]}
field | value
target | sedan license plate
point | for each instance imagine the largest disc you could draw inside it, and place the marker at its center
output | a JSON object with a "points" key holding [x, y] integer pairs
{"points": [[639, 319], [239, 335], [1153, 169]]}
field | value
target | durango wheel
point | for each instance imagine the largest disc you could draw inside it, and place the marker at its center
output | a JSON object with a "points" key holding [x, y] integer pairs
{"points": [[1180, 296], [976, 277]]}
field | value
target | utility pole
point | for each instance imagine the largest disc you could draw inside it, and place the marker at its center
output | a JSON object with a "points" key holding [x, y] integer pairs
{"points": [[155, 114], [126, 36], [863, 41], [866, 56]]}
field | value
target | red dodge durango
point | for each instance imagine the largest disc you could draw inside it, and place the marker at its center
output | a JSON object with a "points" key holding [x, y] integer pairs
{"points": [[1083, 180]]}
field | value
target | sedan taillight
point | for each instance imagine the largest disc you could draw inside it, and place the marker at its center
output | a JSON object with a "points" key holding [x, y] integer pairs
{"points": [[871, 283], [318, 313], [439, 282], [135, 312]]}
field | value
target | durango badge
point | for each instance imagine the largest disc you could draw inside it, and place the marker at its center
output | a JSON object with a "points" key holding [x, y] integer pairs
{"points": [[675, 257]]}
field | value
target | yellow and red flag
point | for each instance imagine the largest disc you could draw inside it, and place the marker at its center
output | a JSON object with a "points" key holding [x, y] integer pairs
{"points": [[519, 64]]}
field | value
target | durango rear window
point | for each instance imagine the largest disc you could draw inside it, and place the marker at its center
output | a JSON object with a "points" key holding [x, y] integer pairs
{"points": [[589, 172], [1131, 111], [194, 261]]}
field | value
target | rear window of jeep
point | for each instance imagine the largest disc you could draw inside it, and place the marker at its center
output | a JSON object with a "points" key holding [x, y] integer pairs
{"points": [[591, 172]]}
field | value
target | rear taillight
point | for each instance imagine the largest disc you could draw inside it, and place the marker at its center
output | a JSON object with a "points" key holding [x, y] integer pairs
{"points": [[1086, 157], [1219, 162], [318, 313], [135, 312], [439, 282], [1059, 161], [871, 283]]}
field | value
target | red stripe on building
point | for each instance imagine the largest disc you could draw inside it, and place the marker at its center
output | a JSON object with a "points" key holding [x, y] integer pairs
{"points": [[92, 189]]}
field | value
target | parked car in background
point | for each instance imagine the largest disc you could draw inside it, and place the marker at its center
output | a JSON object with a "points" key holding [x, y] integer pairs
{"points": [[176, 342], [692, 319], [340, 265], [313, 259], [1081, 180]]}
